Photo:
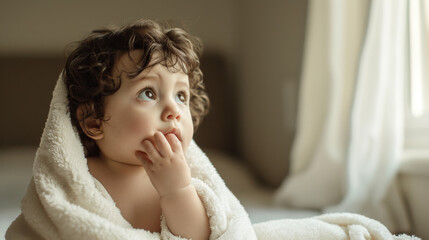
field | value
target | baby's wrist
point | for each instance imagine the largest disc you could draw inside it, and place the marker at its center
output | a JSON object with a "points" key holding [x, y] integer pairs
{"points": [[178, 192]]}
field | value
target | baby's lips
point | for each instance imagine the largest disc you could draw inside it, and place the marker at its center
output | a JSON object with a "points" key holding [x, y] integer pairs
{"points": [[175, 132]]}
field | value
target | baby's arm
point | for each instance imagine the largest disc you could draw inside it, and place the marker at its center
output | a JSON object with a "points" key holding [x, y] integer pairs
{"points": [[168, 171]]}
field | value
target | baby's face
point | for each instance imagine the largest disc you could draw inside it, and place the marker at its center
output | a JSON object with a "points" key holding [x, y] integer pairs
{"points": [[155, 100]]}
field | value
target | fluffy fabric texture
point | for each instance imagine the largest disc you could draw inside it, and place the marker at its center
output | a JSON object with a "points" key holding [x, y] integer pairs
{"points": [[64, 201]]}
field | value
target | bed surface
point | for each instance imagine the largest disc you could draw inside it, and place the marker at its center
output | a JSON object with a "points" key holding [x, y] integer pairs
{"points": [[15, 174]]}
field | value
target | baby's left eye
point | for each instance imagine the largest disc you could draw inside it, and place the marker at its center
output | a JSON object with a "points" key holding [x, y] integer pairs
{"points": [[181, 97], [147, 95]]}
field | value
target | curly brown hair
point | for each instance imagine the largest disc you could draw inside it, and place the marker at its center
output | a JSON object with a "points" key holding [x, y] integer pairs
{"points": [[88, 72]]}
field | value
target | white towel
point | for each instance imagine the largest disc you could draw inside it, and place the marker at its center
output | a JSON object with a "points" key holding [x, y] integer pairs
{"points": [[64, 201]]}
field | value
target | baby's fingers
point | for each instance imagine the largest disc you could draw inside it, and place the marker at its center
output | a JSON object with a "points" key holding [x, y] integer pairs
{"points": [[144, 158], [162, 144], [174, 143], [150, 150]]}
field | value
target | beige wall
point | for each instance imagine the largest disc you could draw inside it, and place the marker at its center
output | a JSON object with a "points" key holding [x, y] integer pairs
{"points": [[272, 38], [46, 26]]}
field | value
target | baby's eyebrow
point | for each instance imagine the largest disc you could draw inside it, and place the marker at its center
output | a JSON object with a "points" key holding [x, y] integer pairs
{"points": [[147, 77], [153, 77], [182, 83]]}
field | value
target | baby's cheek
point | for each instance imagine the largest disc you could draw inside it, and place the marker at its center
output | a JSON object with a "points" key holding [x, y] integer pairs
{"points": [[139, 126], [188, 131]]}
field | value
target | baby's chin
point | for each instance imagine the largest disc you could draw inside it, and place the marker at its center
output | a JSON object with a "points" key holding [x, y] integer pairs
{"points": [[185, 144]]}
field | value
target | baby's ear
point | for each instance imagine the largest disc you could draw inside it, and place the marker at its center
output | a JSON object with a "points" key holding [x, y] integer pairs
{"points": [[91, 126]]}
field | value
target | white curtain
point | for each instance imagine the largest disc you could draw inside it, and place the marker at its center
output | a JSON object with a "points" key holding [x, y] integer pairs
{"points": [[350, 133]]}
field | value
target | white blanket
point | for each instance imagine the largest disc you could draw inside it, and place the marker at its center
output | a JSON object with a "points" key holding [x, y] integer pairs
{"points": [[64, 201]]}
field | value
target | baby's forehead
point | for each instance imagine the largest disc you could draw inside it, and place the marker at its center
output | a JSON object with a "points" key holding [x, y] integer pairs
{"points": [[129, 63]]}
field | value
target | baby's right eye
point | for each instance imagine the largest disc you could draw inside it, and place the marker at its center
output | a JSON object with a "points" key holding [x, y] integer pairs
{"points": [[147, 95]]}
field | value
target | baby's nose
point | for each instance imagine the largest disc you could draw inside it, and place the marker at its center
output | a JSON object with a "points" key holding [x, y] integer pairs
{"points": [[171, 112], [173, 116]]}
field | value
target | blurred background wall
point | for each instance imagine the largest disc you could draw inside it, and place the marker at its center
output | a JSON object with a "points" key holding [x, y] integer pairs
{"points": [[252, 63]]}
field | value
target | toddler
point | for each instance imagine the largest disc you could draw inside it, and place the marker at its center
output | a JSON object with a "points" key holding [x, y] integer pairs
{"points": [[136, 94], [111, 161]]}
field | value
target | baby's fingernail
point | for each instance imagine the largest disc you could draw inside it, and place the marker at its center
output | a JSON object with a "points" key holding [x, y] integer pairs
{"points": [[172, 135]]}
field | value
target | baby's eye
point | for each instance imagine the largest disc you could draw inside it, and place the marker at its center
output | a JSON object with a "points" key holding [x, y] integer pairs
{"points": [[147, 95], [181, 97]]}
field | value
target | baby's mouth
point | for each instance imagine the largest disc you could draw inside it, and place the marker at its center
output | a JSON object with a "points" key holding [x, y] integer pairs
{"points": [[174, 131]]}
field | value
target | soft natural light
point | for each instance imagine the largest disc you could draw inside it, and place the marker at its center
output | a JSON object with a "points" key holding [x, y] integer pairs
{"points": [[417, 115], [417, 57]]}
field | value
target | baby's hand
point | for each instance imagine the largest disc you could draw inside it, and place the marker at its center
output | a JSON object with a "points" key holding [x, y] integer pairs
{"points": [[165, 163]]}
